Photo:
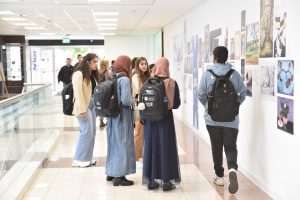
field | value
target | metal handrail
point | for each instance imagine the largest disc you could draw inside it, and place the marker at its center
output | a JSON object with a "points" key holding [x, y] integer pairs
{"points": [[23, 95]]}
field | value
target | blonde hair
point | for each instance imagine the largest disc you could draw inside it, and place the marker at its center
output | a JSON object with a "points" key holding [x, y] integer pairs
{"points": [[104, 64]]}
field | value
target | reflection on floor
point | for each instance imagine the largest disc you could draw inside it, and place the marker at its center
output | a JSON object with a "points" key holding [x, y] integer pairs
{"points": [[58, 180]]}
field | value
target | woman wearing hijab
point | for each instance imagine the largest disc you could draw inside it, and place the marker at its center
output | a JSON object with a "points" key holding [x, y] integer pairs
{"points": [[160, 147], [120, 160]]}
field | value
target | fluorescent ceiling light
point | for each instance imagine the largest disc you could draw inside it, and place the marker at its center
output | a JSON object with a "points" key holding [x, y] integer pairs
{"points": [[107, 24], [24, 24], [13, 19], [107, 28], [106, 13], [107, 20], [6, 13], [34, 28], [108, 33], [47, 34]]}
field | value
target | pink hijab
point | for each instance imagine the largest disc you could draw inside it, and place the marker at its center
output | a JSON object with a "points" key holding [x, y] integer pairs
{"points": [[161, 69]]}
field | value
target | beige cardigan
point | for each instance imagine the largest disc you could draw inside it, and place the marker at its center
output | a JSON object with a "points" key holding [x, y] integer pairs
{"points": [[82, 93], [136, 86]]}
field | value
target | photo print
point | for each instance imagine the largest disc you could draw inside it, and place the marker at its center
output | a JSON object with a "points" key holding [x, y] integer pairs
{"points": [[267, 78], [285, 115], [285, 77], [252, 44], [280, 35], [266, 28]]}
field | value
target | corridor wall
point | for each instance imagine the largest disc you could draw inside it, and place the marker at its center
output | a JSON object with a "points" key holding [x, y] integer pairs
{"points": [[263, 38]]}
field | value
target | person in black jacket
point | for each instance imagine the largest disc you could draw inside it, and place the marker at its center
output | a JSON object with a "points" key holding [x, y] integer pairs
{"points": [[65, 73]]}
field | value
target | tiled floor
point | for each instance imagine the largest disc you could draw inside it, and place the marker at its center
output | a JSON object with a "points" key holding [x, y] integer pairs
{"points": [[57, 180]]}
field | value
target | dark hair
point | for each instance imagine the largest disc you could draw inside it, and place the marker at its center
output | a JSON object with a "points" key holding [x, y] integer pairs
{"points": [[220, 54], [133, 62], [151, 66], [79, 55], [112, 62], [84, 67], [142, 75], [68, 59]]}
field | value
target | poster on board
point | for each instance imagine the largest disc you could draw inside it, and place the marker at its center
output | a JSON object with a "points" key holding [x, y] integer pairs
{"points": [[280, 34], [252, 44], [285, 77], [178, 49], [195, 53], [267, 77], [248, 80], [206, 52], [266, 28]]}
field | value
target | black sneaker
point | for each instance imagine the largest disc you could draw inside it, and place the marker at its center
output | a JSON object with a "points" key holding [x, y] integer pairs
{"points": [[122, 181], [152, 185], [233, 183], [167, 186], [110, 178]]}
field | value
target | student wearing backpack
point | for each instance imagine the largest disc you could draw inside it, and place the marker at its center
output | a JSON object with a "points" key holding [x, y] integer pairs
{"points": [[222, 124], [83, 81], [142, 73], [120, 159], [104, 74], [160, 148]]}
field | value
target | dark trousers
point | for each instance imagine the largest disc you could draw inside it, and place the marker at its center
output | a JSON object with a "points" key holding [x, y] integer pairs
{"points": [[227, 137]]}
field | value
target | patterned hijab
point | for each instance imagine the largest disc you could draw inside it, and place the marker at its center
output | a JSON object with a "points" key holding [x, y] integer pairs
{"points": [[122, 65], [161, 69]]}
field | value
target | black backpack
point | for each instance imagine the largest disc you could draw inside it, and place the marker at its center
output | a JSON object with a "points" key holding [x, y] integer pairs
{"points": [[153, 95], [222, 100], [67, 98], [106, 98]]}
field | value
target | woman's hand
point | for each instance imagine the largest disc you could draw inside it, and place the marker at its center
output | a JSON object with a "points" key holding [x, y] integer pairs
{"points": [[83, 115]]}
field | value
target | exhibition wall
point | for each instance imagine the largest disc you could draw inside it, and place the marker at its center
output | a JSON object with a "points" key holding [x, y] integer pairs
{"points": [[262, 37]]}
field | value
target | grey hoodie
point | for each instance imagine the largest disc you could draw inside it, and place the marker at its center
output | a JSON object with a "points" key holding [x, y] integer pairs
{"points": [[205, 87]]}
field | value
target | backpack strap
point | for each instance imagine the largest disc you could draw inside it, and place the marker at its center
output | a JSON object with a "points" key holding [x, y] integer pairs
{"points": [[227, 75]]}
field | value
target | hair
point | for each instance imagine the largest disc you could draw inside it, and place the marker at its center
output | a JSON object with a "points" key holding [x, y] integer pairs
{"points": [[104, 64], [151, 66], [85, 68], [142, 75], [133, 62], [112, 62], [220, 54], [68, 59], [79, 55]]}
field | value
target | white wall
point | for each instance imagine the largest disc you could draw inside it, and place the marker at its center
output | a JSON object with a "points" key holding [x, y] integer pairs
{"points": [[133, 46], [267, 155]]}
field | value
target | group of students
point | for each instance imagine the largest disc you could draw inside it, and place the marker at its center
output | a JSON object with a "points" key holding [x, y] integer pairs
{"points": [[127, 141], [155, 141]]}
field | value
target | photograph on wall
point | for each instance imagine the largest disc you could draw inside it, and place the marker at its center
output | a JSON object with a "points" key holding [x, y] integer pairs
{"points": [[226, 38], [232, 49], [280, 35], [248, 80], [266, 28], [206, 51], [243, 44], [237, 45], [267, 78], [215, 39], [285, 115], [188, 59], [35, 65], [243, 68], [195, 49], [252, 44], [285, 77], [13, 54], [200, 53], [178, 57]]}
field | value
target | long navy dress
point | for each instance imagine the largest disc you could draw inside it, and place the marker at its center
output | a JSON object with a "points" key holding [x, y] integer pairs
{"points": [[160, 148]]}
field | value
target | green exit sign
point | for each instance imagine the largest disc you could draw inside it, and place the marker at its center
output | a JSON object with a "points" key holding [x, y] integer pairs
{"points": [[66, 41]]}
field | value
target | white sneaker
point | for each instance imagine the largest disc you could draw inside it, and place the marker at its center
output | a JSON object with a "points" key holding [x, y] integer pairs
{"points": [[233, 182], [77, 163], [93, 162], [219, 181]]}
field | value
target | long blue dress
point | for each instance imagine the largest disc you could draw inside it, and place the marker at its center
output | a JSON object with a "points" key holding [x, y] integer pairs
{"points": [[120, 160], [160, 148]]}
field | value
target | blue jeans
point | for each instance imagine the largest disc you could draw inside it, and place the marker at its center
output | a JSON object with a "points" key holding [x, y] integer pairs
{"points": [[85, 144]]}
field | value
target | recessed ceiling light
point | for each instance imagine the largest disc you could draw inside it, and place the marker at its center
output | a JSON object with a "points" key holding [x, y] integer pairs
{"points": [[13, 19], [106, 13], [34, 28], [108, 33], [6, 13], [24, 24], [107, 28], [107, 20]]}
